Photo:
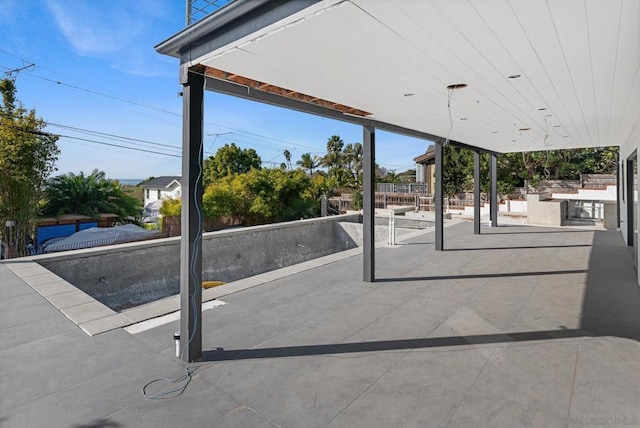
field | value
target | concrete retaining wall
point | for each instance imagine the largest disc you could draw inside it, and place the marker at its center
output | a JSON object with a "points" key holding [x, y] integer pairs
{"points": [[127, 275], [353, 232]]}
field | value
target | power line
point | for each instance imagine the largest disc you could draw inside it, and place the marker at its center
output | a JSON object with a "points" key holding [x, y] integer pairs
{"points": [[161, 110], [237, 132], [116, 145], [105, 134], [10, 71], [51, 134], [139, 104], [152, 107]]}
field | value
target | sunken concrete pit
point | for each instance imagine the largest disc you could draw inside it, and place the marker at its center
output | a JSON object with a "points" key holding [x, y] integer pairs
{"points": [[128, 275]]}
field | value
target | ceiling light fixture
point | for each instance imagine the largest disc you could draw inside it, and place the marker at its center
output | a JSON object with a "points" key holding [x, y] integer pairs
{"points": [[525, 129], [515, 76], [542, 109], [457, 86], [463, 118], [409, 94]]}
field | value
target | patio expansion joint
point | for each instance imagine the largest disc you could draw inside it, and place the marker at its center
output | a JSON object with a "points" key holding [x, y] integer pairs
{"points": [[471, 385], [573, 382], [525, 301], [375, 382], [241, 404], [75, 385]]}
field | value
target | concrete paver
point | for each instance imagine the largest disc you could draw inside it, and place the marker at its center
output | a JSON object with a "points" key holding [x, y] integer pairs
{"points": [[606, 390], [519, 326], [417, 391], [521, 385]]}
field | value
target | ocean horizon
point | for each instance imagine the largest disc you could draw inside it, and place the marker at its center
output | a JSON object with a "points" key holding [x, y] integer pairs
{"points": [[130, 181]]}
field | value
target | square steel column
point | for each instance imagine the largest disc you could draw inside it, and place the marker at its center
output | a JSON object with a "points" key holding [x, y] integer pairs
{"points": [[618, 181], [368, 203], [438, 198], [476, 193], [629, 180], [191, 240], [494, 191]]}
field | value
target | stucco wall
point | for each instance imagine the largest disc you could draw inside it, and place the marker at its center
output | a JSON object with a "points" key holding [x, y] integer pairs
{"points": [[545, 212], [126, 275]]}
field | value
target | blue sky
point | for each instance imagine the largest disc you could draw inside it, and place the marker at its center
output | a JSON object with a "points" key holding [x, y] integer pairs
{"points": [[96, 70]]}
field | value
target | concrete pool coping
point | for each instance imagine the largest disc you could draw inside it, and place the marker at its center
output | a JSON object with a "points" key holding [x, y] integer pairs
{"points": [[93, 317]]}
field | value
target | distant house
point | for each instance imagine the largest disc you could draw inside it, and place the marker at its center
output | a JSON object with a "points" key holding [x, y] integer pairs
{"points": [[159, 188], [426, 168]]}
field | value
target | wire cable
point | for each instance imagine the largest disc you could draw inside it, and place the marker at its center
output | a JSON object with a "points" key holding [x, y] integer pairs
{"points": [[546, 171], [186, 378], [449, 96], [193, 274], [51, 134], [112, 136], [247, 134]]}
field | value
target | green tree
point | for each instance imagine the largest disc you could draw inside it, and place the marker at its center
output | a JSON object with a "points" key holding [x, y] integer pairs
{"points": [[274, 195], [287, 156], [171, 207], [225, 198], [353, 157], [408, 176], [229, 160], [391, 176], [334, 159], [89, 195], [308, 162], [455, 162], [262, 196], [27, 157]]}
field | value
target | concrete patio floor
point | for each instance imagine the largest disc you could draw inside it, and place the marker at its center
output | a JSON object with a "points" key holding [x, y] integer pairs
{"points": [[519, 326]]}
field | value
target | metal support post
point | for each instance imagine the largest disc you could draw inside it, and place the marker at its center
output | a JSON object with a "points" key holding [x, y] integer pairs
{"points": [[438, 198], [368, 197], [494, 191], [392, 228], [618, 181], [630, 200], [191, 240], [476, 193]]}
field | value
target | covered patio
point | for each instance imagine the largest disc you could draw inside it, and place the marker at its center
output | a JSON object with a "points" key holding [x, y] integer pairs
{"points": [[520, 326], [494, 76]]}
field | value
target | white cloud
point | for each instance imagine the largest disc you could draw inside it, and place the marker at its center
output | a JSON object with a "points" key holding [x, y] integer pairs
{"points": [[93, 30], [120, 31]]}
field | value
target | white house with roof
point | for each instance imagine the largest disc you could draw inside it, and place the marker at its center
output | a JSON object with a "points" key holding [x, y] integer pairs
{"points": [[157, 189]]}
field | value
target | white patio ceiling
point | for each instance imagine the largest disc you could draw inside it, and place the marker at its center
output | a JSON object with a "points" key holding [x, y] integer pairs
{"points": [[578, 61]]}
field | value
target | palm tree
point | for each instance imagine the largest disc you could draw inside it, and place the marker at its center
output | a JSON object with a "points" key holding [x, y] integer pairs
{"points": [[391, 176], [353, 157], [334, 159], [308, 162], [89, 195], [287, 156]]}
